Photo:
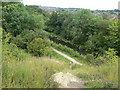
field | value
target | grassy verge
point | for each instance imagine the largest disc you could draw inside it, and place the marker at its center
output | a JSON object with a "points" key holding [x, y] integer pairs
{"points": [[59, 57]]}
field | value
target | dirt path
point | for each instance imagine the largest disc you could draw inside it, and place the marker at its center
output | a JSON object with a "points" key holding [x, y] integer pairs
{"points": [[71, 59]]}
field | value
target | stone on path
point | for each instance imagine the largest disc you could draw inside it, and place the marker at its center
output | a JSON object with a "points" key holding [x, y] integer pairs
{"points": [[67, 80]]}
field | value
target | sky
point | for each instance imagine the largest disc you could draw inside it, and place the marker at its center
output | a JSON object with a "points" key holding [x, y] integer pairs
{"points": [[87, 4]]}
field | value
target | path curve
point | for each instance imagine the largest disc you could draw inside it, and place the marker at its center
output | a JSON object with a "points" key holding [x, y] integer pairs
{"points": [[71, 59]]}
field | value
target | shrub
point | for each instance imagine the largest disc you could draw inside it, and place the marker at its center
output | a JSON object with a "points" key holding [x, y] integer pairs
{"points": [[110, 56], [38, 47], [10, 51], [19, 41], [27, 36]]}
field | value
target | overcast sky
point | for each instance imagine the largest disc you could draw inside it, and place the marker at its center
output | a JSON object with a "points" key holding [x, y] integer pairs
{"points": [[87, 4]]}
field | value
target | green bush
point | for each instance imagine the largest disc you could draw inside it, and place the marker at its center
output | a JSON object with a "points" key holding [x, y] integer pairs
{"points": [[12, 52], [19, 41], [110, 56], [39, 47], [27, 36]]}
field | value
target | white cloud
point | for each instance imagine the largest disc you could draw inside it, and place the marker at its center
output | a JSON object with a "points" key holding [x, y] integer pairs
{"points": [[88, 4]]}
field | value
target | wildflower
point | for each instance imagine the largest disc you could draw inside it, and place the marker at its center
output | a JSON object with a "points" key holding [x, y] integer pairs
{"points": [[4, 56]]}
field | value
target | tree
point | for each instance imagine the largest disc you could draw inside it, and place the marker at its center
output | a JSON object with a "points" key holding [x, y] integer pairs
{"points": [[113, 36], [51, 23], [82, 26], [38, 47], [16, 19]]}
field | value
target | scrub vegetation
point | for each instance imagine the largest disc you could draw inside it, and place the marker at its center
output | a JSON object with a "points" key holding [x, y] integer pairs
{"points": [[28, 33]]}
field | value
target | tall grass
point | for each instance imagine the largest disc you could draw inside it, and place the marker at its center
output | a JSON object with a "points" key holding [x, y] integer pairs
{"points": [[103, 76], [32, 73], [0, 75]]}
